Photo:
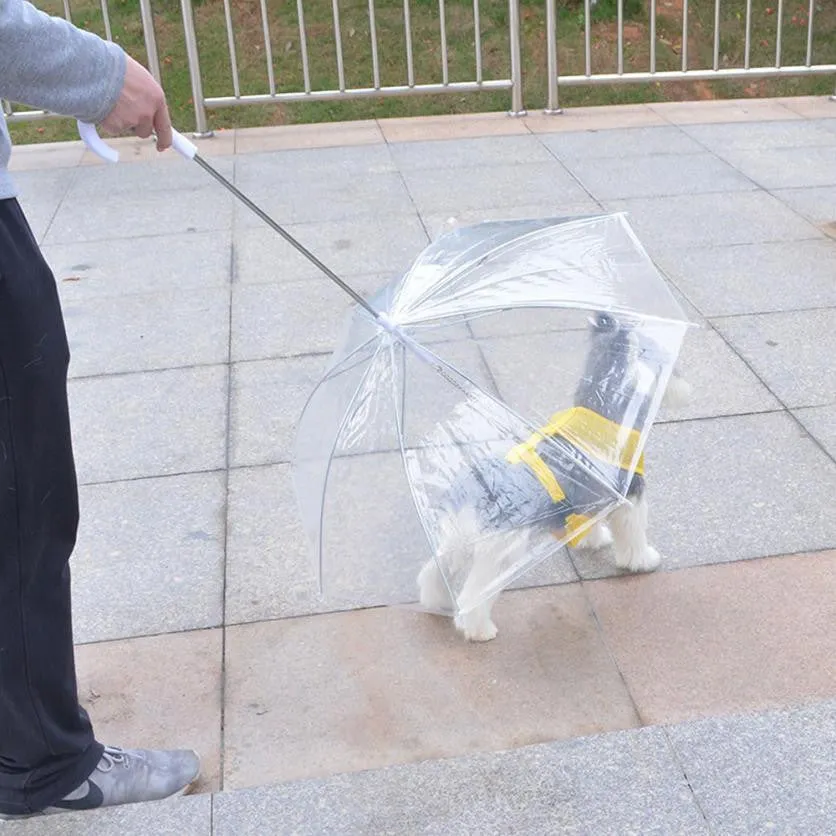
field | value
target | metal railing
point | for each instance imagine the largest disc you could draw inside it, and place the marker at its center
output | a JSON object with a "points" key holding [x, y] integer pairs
{"points": [[412, 40], [687, 71], [343, 91]]}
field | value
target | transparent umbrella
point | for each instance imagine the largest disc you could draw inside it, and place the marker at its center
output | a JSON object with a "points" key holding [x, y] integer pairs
{"points": [[465, 371]]}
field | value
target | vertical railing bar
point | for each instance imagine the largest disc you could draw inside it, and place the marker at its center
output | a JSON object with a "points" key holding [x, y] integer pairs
{"points": [[407, 25], [477, 40], [620, 37], [442, 18], [373, 36], [233, 57], [150, 39], [106, 18], [652, 36], [716, 34], [268, 48], [67, 13], [553, 105], [684, 36], [303, 46], [587, 36], [338, 39], [780, 29], [810, 32], [201, 125], [515, 39], [747, 47]]}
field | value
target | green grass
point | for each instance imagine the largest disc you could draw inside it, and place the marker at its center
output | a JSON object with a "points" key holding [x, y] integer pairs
{"points": [[357, 54]]}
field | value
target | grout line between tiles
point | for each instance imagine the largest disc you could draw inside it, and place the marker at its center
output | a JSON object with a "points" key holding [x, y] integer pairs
{"points": [[227, 459], [674, 752]]}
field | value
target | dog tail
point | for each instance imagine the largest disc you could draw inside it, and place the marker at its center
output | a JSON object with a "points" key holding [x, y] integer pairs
{"points": [[678, 392]]}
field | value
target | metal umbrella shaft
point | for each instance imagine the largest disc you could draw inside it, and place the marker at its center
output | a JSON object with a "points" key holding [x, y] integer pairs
{"points": [[285, 234]]}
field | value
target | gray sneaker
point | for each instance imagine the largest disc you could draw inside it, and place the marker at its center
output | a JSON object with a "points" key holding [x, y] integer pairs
{"points": [[125, 776]]}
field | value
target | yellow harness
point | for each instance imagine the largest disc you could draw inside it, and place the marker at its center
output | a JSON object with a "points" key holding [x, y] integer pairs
{"points": [[598, 437]]}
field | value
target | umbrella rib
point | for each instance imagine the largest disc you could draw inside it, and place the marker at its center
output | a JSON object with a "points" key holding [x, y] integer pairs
{"points": [[337, 436], [506, 245]]}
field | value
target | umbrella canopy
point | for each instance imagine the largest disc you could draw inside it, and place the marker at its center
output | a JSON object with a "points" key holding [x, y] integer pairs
{"points": [[483, 386]]}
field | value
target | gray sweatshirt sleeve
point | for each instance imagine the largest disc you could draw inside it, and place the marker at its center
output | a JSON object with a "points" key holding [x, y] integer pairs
{"points": [[47, 62]]}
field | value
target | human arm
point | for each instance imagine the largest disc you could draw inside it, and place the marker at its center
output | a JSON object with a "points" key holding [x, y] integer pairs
{"points": [[47, 62]]}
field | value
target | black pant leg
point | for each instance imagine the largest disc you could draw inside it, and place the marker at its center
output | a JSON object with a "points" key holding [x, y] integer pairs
{"points": [[47, 747]]}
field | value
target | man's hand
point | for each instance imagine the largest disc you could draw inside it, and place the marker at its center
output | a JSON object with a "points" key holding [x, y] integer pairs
{"points": [[141, 107]]}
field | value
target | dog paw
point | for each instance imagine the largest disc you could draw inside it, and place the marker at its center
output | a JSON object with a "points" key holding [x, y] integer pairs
{"points": [[477, 630], [640, 561]]}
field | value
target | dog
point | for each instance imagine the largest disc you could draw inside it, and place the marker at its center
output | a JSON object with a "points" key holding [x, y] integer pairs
{"points": [[554, 480]]}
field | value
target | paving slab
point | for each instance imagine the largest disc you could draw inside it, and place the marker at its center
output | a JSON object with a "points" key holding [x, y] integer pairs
{"points": [[786, 168], [754, 278], [797, 134], [817, 204], [441, 127], [722, 639], [40, 194], [547, 185], [46, 155], [132, 214], [724, 110], [627, 142], [270, 570], [149, 423], [820, 422], [149, 557], [383, 246], [467, 153], [624, 782], [161, 174], [191, 815], [345, 164], [772, 773], [810, 107], [318, 135], [292, 318], [157, 692], [126, 266], [143, 332], [311, 697], [318, 199], [576, 119], [791, 352], [732, 489], [713, 220], [614, 178], [267, 400]]}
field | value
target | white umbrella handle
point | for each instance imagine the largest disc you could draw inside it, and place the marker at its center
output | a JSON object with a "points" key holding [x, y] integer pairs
{"points": [[90, 137]]}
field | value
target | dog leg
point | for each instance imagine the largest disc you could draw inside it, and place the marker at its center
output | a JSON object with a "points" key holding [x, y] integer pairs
{"points": [[489, 556], [599, 537], [628, 524], [432, 591]]}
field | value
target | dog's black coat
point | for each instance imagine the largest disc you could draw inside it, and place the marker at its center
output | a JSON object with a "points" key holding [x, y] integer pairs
{"points": [[508, 496]]}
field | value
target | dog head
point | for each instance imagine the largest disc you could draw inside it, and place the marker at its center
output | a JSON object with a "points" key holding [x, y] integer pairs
{"points": [[621, 371]]}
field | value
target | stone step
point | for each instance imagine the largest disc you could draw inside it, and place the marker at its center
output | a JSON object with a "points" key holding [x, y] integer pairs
{"points": [[742, 774]]}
